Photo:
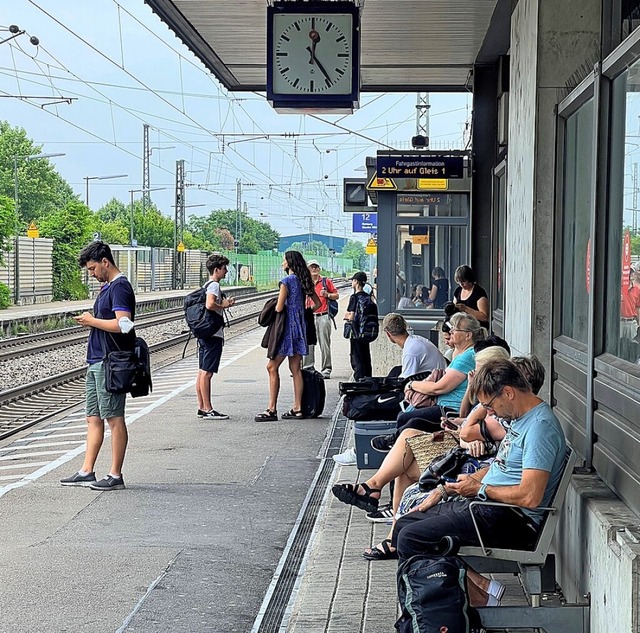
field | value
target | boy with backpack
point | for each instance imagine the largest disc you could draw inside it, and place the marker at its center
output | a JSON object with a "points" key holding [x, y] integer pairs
{"points": [[361, 327], [210, 345]]}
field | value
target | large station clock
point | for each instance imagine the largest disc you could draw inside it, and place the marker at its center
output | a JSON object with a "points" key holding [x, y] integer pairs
{"points": [[313, 56]]}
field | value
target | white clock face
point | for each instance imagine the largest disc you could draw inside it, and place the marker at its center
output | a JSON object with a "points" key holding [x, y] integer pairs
{"points": [[312, 54]]}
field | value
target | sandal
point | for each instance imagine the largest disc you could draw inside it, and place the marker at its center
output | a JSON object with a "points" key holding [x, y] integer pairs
{"points": [[381, 551], [348, 493], [293, 415], [267, 416]]}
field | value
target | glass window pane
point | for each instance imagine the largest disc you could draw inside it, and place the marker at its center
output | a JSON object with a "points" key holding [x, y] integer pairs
{"points": [[578, 176], [501, 213], [622, 298], [433, 204], [427, 257], [630, 14]]}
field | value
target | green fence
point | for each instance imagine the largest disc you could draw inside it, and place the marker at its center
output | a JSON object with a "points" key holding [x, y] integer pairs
{"points": [[264, 270]]}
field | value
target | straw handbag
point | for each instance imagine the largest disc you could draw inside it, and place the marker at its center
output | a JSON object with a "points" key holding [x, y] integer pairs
{"points": [[427, 446]]}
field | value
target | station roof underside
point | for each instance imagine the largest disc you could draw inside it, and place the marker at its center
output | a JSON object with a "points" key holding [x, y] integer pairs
{"points": [[406, 45]]}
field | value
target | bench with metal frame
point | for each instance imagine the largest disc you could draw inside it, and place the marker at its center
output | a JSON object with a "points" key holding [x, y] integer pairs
{"points": [[533, 566]]}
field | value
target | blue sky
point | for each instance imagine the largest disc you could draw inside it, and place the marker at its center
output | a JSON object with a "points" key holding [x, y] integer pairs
{"points": [[122, 67]]}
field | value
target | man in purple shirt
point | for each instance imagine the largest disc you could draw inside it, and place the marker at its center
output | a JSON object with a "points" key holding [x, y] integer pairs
{"points": [[111, 329]]}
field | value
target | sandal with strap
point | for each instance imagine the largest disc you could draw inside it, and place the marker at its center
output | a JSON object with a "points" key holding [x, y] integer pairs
{"points": [[293, 415], [381, 551], [348, 493], [267, 416]]}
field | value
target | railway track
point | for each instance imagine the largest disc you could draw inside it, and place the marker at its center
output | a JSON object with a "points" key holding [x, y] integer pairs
{"points": [[19, 346], [30, 404], [33, 403]]}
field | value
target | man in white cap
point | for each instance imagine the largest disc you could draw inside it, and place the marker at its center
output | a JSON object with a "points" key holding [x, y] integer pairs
{"points": [[326, 291]]}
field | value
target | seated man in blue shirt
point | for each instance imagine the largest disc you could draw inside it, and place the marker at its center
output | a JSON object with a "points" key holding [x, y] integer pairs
{"points": [[526, 472]]}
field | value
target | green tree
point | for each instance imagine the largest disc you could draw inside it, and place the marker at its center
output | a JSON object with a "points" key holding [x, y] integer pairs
{"points": [[70, 227], [355, 250], [7, 224], [252, 235], [41, 190]]}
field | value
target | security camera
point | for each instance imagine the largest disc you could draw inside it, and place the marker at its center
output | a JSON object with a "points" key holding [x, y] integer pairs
{"points": [[34, 40]]}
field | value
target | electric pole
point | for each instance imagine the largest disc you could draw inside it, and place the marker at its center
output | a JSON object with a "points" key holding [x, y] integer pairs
{"points": [[178, 229]]}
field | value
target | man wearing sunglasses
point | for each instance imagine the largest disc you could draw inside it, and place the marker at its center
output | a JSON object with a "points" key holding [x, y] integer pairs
{"points": [[525, 473]]}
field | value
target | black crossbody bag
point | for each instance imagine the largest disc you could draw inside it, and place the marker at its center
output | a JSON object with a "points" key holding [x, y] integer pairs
{"points": [[120, 368]]}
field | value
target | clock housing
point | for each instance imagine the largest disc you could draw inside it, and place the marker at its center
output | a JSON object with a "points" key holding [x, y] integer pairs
{"points": [[313, 56]]}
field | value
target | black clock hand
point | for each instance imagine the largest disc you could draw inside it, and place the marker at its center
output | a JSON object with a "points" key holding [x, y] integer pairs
{"points": [[319, 65]]}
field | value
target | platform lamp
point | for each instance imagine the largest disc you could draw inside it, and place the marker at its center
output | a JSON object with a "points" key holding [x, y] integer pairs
{"points": [[16, 200], [132, 191], [88, 178]]}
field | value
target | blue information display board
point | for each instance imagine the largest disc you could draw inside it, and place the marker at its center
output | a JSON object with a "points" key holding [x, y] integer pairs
{"points": [[365, 223], [420, 166]]}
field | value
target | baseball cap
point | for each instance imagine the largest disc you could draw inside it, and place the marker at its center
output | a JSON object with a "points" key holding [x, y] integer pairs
{"points": [[361, 277], [313, 262]]}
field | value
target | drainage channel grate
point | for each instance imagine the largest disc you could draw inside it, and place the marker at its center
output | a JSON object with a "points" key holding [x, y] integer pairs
{"points": [[275, 610]]}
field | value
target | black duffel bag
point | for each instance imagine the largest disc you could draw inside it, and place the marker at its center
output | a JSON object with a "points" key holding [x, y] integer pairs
{"points": [[372, 406]]}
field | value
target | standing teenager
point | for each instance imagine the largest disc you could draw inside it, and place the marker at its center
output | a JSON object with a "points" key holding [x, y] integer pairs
{"points": [[210, 349], [362, 314], [294, 289]]}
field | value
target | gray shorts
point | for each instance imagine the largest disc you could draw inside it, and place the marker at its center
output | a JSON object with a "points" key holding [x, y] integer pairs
{"points": [[99, 402]]}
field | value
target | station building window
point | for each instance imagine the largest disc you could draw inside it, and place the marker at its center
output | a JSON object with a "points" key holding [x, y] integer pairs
{"points": [[576, 205], [622, 297], [500, 223], [427, 256]]}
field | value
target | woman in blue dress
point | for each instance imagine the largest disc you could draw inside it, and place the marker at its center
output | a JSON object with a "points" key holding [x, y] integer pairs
{"points": [[294, 289]]}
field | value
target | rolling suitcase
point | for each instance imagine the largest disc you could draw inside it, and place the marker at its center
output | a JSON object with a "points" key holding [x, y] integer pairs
{"points": [[313, 393]]}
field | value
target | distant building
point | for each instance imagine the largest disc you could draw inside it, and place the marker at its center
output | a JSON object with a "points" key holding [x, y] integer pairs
{"points": [[328, 240]]}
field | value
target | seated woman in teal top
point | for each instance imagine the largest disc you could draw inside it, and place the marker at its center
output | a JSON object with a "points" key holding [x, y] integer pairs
{"points": [[450, 389]]}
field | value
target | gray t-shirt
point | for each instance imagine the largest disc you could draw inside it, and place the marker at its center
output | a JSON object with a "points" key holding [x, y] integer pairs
{"points": [[420, 355]]}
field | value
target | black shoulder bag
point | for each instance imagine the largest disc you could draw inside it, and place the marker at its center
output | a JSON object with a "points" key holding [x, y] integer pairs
{"points": [[120, 368]]}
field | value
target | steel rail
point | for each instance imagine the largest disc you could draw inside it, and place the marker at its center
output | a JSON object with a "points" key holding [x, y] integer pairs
{"points": [[19, 402]]}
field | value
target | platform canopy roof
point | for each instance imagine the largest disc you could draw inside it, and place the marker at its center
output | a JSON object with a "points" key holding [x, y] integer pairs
{"points": [[407, 45]]}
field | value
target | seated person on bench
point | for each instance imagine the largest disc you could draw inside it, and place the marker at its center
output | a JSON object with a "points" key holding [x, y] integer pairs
{"points": [[449, 391], [401, 466], [525, 473], [419, 355]]}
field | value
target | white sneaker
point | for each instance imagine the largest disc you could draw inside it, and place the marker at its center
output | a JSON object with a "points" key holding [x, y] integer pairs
{"points": [[347, 458]]}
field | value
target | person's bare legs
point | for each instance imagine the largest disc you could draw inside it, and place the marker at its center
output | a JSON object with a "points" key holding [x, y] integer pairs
{"points": [[119, 440], [95, 436], [295, 366], [203, 390], [273, 367], [399, 461]]}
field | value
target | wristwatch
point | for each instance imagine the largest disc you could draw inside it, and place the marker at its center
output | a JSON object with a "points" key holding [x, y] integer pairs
{"points": [[482, 493]]}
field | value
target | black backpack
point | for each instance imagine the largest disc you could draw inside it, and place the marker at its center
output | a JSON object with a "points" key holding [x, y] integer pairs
{"points": [[432, 591], [203, 323], [142, 383], [332, 304], [365, 320]]}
